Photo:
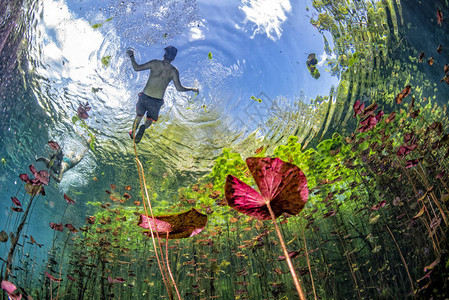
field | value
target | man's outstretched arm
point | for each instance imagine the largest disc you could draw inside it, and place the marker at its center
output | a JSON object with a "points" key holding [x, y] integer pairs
{"points": [[135, 65], [178, 84]]}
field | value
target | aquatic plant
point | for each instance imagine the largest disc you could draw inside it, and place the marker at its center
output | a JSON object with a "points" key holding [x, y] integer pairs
{"points": [[283, 188]]}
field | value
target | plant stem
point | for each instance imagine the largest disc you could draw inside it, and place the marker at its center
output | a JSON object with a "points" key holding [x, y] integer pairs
{"points": [[296, 281], [403, 261], [169, 271], [17, 236], [308, 261]]}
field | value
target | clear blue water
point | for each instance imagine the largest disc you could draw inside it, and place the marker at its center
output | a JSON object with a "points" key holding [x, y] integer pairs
{"points": [[231, 50]]}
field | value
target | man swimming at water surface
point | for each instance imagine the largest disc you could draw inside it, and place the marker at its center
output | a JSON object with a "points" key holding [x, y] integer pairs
{"points": [[59, 162], [162, 72]]}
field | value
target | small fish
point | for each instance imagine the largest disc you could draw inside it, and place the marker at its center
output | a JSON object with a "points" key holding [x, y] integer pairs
{"points": [[440, 49]]}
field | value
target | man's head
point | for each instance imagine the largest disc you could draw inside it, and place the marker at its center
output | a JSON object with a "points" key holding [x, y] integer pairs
{"points": [[170, 53]]}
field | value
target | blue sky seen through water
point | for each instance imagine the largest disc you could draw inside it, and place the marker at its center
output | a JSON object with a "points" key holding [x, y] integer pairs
{"points": [[256, 46]]}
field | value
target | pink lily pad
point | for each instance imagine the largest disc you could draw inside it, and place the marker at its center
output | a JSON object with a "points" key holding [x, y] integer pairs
{"points": [[182, 225], [281, 184], [11, 290]]}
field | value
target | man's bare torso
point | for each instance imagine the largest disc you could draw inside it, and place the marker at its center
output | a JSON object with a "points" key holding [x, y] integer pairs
{"points": [[160, 76]]}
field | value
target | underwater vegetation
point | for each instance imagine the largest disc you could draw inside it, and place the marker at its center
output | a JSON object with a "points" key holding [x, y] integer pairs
{"points": [[359, 214], [355, 217]]}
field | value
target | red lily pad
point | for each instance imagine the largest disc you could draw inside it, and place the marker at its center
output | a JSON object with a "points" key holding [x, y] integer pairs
{"points": [[381, 203], [182, 225], [24, 178], [71, 228], [82, 110], [16, 201], [281, 184], [52, 277], [358, 107], [116, 280], [68, 199], [411, 163], [53, 145], [42, 176], [292, 254], [56, 226]]}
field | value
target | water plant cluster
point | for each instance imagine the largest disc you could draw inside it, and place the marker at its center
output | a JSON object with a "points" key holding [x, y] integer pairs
{"points": [[375, 224]]}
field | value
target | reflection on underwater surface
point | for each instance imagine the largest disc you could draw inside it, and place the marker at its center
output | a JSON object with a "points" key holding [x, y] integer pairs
{"points": [[370, 134]]}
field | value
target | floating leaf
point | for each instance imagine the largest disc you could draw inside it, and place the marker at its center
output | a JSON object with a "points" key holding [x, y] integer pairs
{"points": [[281, 184], [68, 199], [11, 290], [374, 218], [3, 236], [52, 278], [439, 17], [16, 201], [33, 190], [53, 145], [405, 92], [258, 150], [420, 213], [292, 254], [91, 219], [358, 107], [378, 205], [71, 228], [82, 111], [390, 117], [330, 213], [411, 163], [56, 226], [182, 225], [432, 265], [106, 61], [421, 57]]}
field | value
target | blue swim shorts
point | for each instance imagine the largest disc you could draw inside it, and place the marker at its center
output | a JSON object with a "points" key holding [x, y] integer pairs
{"points": [[150, 105]]}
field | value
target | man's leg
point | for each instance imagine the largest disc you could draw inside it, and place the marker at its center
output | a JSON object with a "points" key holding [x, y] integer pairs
{"points": [[142, 128], [148, 123], [45, 160], [135, 124]]}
